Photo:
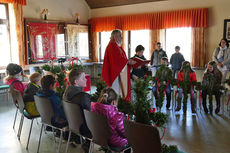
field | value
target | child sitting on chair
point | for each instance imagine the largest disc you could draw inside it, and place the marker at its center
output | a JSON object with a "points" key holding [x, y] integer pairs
{"points": [[106, 105], [29, 93], [211, 83], [47, 90], [186, 79], [14, 72], [162, 78]]}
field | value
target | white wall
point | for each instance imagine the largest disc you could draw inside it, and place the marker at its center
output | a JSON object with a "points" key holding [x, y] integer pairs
{"points": [[58, 9], [218, 11]]}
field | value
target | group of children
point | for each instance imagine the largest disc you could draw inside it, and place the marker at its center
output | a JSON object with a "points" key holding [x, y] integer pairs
{"points": [[74, 94], [181, 70]]}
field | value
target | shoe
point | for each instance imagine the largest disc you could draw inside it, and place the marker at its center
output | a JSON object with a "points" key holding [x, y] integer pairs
{"points": [[217, 110], [85, 146], [193, 111], [206, 110], [49, 129]]}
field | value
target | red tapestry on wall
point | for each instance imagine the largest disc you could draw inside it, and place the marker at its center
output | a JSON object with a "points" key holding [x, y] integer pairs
{"points": [[42, 40]]}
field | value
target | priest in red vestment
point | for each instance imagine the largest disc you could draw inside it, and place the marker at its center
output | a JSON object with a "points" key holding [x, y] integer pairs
{"points": [[115, 70]]}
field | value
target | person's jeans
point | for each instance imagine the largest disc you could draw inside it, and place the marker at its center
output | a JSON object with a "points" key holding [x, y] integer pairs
{"points": [[154, 70], [168, 95]]}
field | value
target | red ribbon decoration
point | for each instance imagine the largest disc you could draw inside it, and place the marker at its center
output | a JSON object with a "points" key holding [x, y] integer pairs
{"points": [[166, 88], [163, 132], [52, 58], [228, 100], [74, 58]]}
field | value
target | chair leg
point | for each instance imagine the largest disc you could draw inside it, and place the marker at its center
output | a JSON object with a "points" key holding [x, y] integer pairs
{"points": [[7, 95], [91, 146], [40, 138], [60, 141], [16, 113], [31, 126], [67, 145], [20, 127], [54, 135]]}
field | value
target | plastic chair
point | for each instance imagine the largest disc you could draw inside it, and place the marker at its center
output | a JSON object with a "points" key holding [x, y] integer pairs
{"points": [[142, 138], [74, 118], [100, 129], [17, 96], [45, 110]]}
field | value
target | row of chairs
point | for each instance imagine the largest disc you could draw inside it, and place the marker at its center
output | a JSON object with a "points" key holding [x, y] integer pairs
{"points": [[142, 138]]}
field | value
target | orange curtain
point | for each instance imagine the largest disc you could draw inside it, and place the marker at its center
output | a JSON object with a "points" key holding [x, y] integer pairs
{"points": [[22, 2], [95, 47], [197, 17], [156, 36], [19, 25], [198, 47]]}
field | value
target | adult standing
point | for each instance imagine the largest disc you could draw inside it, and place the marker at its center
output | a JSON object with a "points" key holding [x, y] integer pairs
{"points": [[221, 56], [157, 54], [115, 69]]}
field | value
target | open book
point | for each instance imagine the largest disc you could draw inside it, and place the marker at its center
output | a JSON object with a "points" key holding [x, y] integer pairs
{"points": [[139, 62]]}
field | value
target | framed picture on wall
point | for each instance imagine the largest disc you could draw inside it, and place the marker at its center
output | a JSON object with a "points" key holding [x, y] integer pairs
{"points": [[227, 29]]}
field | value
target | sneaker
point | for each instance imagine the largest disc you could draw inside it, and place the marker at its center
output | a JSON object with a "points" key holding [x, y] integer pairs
{"points": [[217, 110]]}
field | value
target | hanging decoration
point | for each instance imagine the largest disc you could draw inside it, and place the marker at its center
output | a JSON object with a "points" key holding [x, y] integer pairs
{"points": [[45, 13]]}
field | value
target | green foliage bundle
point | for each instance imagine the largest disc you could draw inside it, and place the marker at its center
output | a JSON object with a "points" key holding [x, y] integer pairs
{"points": [[142, 101], [70, 66], [125, 106], [100, 86], [168, 149], [159, 118]]}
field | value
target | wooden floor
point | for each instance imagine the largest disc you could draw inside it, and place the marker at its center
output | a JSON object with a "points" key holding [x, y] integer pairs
{"points": [[193, 133]]}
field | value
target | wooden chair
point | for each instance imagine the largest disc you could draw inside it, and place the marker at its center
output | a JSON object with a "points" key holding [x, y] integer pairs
{"points": [[45, 110], [142, 138], [101, 131]]}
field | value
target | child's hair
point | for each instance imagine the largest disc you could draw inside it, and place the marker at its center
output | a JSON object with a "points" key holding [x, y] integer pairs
{"points": [[177, 47], [46, 81], [74, 75], [164, 59], [35, 77], [186, 63], [12, 70], [139, 48], [107, 96]]}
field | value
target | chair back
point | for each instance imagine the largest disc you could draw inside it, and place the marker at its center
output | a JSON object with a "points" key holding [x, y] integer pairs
{"points": [[142, 138], [17, 98], [99, 127], [73, 115], [44, 108], [13, 94]]}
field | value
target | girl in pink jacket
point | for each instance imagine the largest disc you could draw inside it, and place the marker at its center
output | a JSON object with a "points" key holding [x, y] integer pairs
{"points": [[13, 73], [106, 105]]}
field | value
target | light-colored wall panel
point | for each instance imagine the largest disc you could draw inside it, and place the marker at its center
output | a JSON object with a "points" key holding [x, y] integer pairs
{"points": [[58, 9], [218, 11]]}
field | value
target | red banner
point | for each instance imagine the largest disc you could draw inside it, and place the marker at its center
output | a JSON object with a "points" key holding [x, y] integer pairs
{"points": [[42, 40]]}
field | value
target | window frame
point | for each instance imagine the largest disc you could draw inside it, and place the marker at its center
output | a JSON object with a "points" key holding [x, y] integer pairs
{"points": [[6, 22]]}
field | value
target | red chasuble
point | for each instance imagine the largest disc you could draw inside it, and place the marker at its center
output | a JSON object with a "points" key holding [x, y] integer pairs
{"points": [[114, 61]]}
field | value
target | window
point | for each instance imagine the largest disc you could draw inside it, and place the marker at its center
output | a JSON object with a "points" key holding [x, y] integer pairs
{"points": [[104, 38], [131, 40], [4, 36], [179, 37], [140, 37]]}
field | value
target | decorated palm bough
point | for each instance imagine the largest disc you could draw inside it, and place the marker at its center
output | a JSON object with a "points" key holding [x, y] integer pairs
{"points": [[162, 80], [59, 71]]}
